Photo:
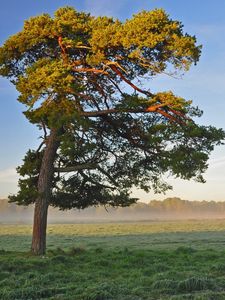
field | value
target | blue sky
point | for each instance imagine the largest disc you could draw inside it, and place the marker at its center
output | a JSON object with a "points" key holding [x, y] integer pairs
{"points": [[204, 83]]}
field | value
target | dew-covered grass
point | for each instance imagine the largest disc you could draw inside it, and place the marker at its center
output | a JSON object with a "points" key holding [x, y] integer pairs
{"points": [[131, 261]]}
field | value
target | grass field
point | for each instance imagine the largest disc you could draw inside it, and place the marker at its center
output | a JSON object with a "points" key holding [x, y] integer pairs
{"points": [[130, 261]]}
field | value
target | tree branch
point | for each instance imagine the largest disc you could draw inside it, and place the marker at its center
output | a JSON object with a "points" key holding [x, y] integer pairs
{"points": [[40, 146], [127, 135], [107, 175], [94, 182], [92, 70], [110, 111], [150, 109], [63, 50], [44, 129], [76, 168], [116, 85], [113, 67]]}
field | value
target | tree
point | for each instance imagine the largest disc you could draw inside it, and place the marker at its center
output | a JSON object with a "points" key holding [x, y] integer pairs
{"points": [[79, 78]]}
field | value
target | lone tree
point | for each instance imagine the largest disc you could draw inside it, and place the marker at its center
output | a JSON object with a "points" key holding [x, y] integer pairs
{"points": [[81, 80]]}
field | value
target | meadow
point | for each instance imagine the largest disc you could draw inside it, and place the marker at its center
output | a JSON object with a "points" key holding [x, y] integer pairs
{"points": [[121, 261]]}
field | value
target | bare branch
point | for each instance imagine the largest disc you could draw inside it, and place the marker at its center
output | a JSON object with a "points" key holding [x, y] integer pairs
{"points": [[40, 146], [107, 175], [113, 67], [82, 47], [44, 129], [150, 109], [99, 89], [116, 85], [110, 111], [85, 176], [63, 49], [127, 135], [92, 70], [76, 168]]}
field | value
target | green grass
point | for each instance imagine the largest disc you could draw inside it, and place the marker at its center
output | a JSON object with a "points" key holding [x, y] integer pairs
{"points": [[140, 235], [131, 261]]}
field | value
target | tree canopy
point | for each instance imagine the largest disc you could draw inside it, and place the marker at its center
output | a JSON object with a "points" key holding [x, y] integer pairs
{"points": [[81, 81]]}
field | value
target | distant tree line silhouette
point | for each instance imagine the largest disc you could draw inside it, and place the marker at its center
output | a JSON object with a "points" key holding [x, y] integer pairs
{"points": [[170, 208]]}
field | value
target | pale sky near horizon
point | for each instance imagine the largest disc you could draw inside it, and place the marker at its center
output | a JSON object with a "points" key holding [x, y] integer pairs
{"points": [[204, 83]]}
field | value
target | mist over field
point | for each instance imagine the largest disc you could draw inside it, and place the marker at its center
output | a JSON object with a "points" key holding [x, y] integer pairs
{"points": [[168, 209]]}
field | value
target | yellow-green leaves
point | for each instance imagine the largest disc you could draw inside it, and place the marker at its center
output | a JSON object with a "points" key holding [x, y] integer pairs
{"points": [[39, 26], [57, 58], [105, 34], [44, 78], [36, 30], [150, 40], [147, 29], [170, 100], [68, 21], [153, 37]]}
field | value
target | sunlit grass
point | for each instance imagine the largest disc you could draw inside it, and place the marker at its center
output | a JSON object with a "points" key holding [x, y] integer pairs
{"points": [[147, 235], [120, 228]]}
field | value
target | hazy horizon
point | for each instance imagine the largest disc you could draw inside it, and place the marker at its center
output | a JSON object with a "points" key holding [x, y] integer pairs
{"points": [[155, 210]]}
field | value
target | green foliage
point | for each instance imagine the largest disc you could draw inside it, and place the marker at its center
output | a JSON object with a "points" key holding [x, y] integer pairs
{"points": [[28, 185], [70, 71], [119, 272]]}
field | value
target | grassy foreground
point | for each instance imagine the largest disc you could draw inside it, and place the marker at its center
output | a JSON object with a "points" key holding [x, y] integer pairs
{"points": [[160, 260]]}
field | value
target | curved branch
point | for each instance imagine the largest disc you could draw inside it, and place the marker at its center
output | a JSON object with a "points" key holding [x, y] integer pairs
{"points": [[127, 135], [107, 175], [100, 89], [116, 85], [44, 129], [40, 146], [94, 182], [113, 67], [63, 50]]}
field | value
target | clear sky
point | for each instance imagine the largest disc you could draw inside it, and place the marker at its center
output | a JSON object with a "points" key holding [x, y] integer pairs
{"points": [[204, 84]]}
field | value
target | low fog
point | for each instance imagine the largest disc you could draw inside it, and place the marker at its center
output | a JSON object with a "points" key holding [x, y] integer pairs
{"points": [[168, 209]]}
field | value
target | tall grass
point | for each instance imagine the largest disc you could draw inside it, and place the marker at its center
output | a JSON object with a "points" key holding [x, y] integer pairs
{"points": [[81, 274]]}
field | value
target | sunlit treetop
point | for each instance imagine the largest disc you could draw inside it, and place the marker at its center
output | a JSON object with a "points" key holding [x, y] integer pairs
{"points": [[58, 56]]}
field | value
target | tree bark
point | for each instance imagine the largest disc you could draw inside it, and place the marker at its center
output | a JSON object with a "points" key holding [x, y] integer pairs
{"points": [[38, 246]]}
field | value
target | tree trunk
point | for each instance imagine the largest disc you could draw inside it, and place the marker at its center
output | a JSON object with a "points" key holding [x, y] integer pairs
{"points": [[38, 246]]}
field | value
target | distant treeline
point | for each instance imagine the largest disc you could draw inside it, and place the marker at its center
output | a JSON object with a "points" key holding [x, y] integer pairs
{"points": [[170, 208]]}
